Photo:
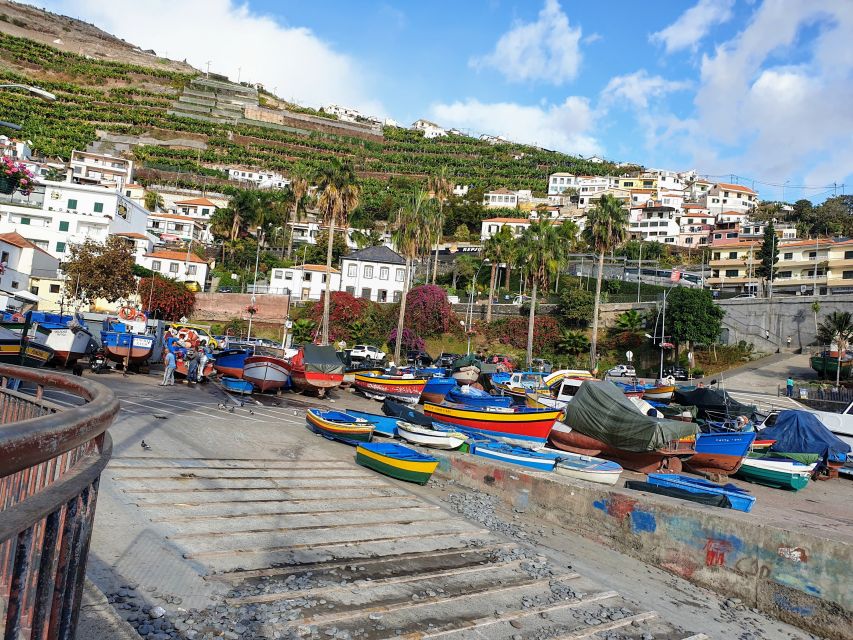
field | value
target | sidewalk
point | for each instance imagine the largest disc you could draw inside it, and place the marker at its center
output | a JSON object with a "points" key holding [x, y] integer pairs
{"points": [[98, 619]]}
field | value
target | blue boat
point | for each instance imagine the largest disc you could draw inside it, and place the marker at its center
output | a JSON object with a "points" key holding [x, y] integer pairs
{"points": [[382, 425], [740, 499], [231, 362], [473, 397], [488, 448], [236, 385], [719, 453], [126, 341], [436, 388]]}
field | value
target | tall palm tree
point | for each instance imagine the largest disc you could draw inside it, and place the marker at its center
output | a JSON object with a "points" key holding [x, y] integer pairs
{"points": [[543, 255], [441, 188], [299, 180], [606, 228], [410, 237], [570, 241], [837, 328], [338, 195], [497, 250]]}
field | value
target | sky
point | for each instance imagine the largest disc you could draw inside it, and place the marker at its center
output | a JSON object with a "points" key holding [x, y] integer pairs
{"points": [[755, 91]]}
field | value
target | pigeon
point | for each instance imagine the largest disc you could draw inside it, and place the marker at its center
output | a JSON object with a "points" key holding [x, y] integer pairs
{"points": [[145, 446], [242, 403], [220, 406], [295, 412], [277, 403], [230, 409], [251, 413], [159, 417]]}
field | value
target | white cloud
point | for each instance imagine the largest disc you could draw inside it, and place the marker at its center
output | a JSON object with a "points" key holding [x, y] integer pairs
{"points": [[292, 59], [639, 87], [546, 50], [566, 127], [694, 24]]}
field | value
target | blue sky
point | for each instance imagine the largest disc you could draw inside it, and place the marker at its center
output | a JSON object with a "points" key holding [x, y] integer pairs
{"points": [[760, 89]]}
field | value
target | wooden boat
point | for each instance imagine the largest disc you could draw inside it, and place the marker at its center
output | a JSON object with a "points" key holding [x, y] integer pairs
{"points": [[182, 368], [382, 425], [396, 461], [516, 423], [740, 499], [521, 383], [337, 425], [512, 454], [67, 335], [17, 349], [437, 388], [589, 468], [473, 397], [316, 369], [267, 373], [631, 390], [778, 472], [661, 392], [430, 437], [466, 370], [236, 385], [230, 362], [826, 364], [377, 385], [124, 339], [719, 454]]}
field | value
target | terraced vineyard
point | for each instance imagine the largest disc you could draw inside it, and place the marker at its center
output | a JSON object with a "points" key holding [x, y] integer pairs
{"points": [[126, 99]]}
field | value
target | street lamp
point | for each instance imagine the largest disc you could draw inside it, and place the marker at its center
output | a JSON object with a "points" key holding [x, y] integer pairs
{"points": [[41, 93]]}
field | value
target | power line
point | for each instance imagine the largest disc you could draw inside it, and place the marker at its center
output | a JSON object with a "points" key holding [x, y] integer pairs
{"points": [[737, 179]]}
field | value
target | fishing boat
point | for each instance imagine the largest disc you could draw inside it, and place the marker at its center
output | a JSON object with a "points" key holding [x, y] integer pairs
{"points": [[316, 369], [660, 392], [435, 437], [775, 471], [230, 362], [237, 385], [740, 499], [382, 425], [521, 383], [67, 335], [377, 385], [437, 388], [558, 394], [466, 370], [581, 467], [631, 390], [826, 363], [515, 423], [18, 349], [125, 340], [474, 397], [512, 454], [719, 454], [266, 372], [396, 461], [337, 425]]}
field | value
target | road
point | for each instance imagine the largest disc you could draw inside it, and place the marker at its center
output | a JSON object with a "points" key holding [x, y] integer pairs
{"points": [[243, 524]]}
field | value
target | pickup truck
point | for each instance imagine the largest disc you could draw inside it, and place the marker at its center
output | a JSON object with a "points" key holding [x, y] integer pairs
{"points": [[841, 424]]}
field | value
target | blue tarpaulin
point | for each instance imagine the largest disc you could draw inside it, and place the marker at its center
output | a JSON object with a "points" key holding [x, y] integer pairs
{"points": [[803, 432]]}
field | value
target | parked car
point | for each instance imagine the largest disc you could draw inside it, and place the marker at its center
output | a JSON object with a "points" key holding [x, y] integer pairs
{"points": [[361, 352], [204, 335], [745, 296], [265, 342], [419, 358], [225, 290], [520, 300], [679, 373], [539, 364], [623, 371], [446, 359]]}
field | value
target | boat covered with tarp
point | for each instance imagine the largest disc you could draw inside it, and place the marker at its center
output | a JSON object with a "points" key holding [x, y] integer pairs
{"points": [[712, 404], [801, 436], [316, 368]]}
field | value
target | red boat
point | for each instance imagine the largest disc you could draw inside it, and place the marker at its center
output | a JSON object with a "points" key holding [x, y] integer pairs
{"points": [[517, 423], [267, 373], [316, 369]]}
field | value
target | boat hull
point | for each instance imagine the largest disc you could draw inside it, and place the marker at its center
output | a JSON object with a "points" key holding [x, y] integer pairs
{"points": [[181, 369], [429, 437], [663, 393], [382, 425], [719, 454], [68, 346], [32, 354], [417, 471], [314, 380], [779, 476], [436, 389], [827, 366], [466, 375], [530, 425], [230, 363], [131, 347], [266, 372], [380, 387], [513, 455], [236, 385], [349, 433], [589, 468]]}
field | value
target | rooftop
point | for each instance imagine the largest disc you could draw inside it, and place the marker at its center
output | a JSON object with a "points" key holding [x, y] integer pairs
{"points": [[734, 187], [17, 240], [200, 202], [376, 254], [181, 256], [509, 220]]}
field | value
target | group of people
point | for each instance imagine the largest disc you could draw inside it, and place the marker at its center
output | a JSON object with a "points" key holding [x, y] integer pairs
{"points": [[188, 349]]}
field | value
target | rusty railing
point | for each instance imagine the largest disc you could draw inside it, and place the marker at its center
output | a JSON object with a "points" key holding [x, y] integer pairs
{"points": [[51, 457]]}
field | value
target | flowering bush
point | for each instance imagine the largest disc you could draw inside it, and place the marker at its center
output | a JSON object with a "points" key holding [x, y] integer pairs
{"points": [[166, 298], [344, 310], [428, 309], [18, 174], [513, 331], [411, 341]]}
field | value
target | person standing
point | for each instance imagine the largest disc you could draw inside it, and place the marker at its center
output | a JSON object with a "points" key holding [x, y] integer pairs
{"points": [[169, 373], [789, 387], [192, 365]]}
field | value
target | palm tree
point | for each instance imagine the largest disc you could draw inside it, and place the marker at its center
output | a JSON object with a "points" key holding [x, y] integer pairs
{"points": [[410, 237], [569, 234], [573, 342], [338, 195], [153, 200], [815, 311], [540, 246], [299, 177], [371, 238], [441, 188], [303, 330], [496, 250], [631, 320], [837, 328], [606, 228]]}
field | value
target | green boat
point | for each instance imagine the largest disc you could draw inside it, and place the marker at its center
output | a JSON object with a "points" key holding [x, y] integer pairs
{"points": [[776, 471], [397, 461], [826, 365]]}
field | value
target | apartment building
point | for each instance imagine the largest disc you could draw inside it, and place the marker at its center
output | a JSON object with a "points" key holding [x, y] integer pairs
{"points": [[822, 266], [305, 282], [99, 168], [430, 129], [259, 179], [500, 199], [694, 230], [170, 227], [733, 265], [724, 197], [654, 222], [28, 274], [491, 226], [375, 273], [183, 266]]}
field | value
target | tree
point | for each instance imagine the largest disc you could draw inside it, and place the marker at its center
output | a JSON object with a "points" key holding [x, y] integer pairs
{"points": [[154, 201], [410, 238], [576, 306], [606, 228], [316, 253], [815, 311], [631, 320], [540, 244], [337, 196], [99, 270], [768, 254], [837, 329], [362, 239], [344, 308], [441, 189], [165, 298], [692, 316], [496, 250], [573, 342], [299, 177], [462, 233], [303, 330]]}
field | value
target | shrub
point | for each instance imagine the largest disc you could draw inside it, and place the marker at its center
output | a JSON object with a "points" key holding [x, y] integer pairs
{"points": [[428, 309], [344, 310], [576, 306], [513, 331], [166, 299], [410, 341]]}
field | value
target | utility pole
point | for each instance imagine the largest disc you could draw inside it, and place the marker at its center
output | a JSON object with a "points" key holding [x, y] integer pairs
{"points": [[772, 261], [639, 269]]}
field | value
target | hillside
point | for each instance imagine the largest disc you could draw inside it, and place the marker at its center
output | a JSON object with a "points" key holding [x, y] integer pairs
{"points": [[124, 96]]}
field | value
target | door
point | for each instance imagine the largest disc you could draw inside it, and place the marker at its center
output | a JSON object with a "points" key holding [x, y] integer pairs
{"points": [[306, 293]]}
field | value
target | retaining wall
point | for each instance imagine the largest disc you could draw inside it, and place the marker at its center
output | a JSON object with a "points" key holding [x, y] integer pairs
{"points": [[222, 307], [799, 578]]}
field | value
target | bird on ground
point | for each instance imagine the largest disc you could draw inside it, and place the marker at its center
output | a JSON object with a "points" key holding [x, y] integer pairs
{"points": [[220, 406], [145, 446], [251, 413], [230, 409]]}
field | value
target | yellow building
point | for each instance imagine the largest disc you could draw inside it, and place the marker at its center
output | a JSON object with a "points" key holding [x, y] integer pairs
{"points": [[733, 265], [643, 181]]}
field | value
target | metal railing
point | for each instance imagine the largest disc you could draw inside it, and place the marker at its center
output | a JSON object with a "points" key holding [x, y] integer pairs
{"points": [[51, 458]]}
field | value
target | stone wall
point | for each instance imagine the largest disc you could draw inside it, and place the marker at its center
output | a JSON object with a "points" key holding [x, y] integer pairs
{"points": [[222, 307], [305, 121], [609, 311]]}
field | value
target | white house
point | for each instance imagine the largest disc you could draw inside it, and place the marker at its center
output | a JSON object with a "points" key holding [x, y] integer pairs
{"points": [[461, 189], [305, 282], [141, 243], [430, 129], [17, 150], [500, 199], [374, 273], [729, 197], [654, 222], [183, 266], [306, 232], [170, 227], [559, 182], [491, 226], [261, 179], [100, 168], [23, 266]]}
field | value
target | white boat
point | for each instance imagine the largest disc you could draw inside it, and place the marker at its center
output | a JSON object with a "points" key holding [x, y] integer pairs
{"points": [[267, 373], [429, 437], [784, 466], [467, 375], [589, 468]]}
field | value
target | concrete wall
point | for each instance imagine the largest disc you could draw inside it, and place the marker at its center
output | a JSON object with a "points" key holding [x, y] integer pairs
{"points": [[800, 578], [222, 307], [314, 123], [609, 312], [782, 316]]}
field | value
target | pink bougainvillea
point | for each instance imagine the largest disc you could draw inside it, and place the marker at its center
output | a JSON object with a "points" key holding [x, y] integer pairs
{"points": [[411, 340], [344, 308], [428, 309], [513, 331]]}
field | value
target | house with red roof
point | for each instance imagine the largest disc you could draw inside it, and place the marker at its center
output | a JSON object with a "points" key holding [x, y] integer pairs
{"points": [[184, 266]]}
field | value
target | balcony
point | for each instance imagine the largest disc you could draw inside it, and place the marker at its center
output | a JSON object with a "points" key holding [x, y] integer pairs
{"points": [[51, 458], [34, 201]]}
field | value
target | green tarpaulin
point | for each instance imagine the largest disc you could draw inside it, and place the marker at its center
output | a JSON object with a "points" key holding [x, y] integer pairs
{"points": [[600, 410]]}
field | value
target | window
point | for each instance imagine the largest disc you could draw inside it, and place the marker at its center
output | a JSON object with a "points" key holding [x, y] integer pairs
{"points": [[127, 193], [383, 273], [205, 211], [25, 220], [401, 273], [716, 255], [288, 275], [812, 255], [365, 293], [60, 247], [382, 296], [173, 268], [15, 285], [306, 277], [847, 275], [732, 255], [99, 207], [54, 288], [63, 226], [155, 265], [788, 256], [397, 296], [731, 235], [191, 270], [351, 291], [352, 270], [732, 273], [72, 204], [34, 290], [848, 255], [368, 271]]}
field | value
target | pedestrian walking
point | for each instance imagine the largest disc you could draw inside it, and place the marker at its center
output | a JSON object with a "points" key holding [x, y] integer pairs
{"points": [[204, 357], [192, 366], [789, 387], [169, 373]]}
